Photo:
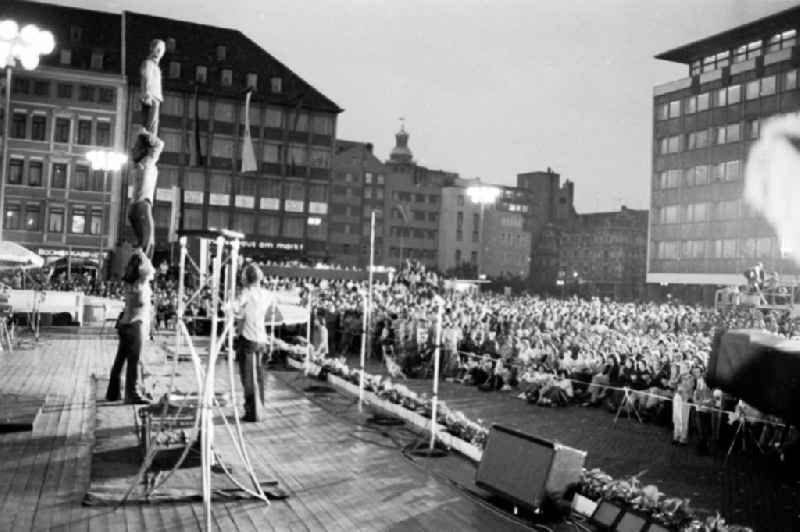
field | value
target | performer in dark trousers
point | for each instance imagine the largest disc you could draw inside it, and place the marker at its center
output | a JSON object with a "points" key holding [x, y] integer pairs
{"points": [[133, 329], [251, 307], [145, 176]]}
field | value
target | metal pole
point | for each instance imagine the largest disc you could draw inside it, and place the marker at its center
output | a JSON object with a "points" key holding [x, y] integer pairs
{"points": [[480, 243], [6, 128], [436, 355], [367, 309], [308, 334], [100, 260]]}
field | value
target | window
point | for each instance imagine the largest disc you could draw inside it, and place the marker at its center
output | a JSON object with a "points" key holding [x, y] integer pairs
{"points": [[703, 101], [727, 210], [367, 192], [58, 175], [12, 215], [669, 214], [323, 125], [380, 179], [662, 111], [55, 220], [719, 136], [752, 89], [733, 132], [19, 125], [718, 172], [41, 88], [785, 39], [106, 95], [96, 178], [15, 171], [671, 144], [226, 77], [80, 178], [733, 170], [223, 112], [747, 51], [103, 133], [767, 86], [675, 109], [78, 222], [790, 80], [721, 99], [61, 133], [244, 222], [84, 132], [192, 218], [65, 56], [297, 121], [221, 52], [38, 127], [217, 218], [222, 147], [86, 93], [174, 70], [75, 33], [276, 85], [268, 225], [200, 74], [252, 80], [96, 222], [293, 227], [753, 128], [274, 118], [96, 62], [64, 90], [35, 173], [691, 105], [473, 257], [33, 217], [734, 94], [670, 179], [170, 44], [320, 158], [697, 212], [172, 140]]}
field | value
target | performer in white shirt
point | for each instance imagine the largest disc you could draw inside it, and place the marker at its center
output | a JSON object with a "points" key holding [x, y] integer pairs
{"points": [[151, 95], [145, 176], [251, 308]]}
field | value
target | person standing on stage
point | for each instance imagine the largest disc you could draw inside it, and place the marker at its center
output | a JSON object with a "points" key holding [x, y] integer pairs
{"points": [[133, 328], [251, 308]]}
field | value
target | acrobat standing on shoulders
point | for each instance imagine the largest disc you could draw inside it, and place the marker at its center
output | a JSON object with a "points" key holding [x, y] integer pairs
{"points": [[145, 176], [151, 95]]}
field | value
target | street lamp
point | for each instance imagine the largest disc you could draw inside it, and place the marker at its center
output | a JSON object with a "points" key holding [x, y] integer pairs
{"points": [[105, 161], [23, 46], [482, 195]]}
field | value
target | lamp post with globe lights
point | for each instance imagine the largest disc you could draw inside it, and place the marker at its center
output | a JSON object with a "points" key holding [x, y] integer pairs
{"points": [[18, 46], [105, 161], [482, 195]]}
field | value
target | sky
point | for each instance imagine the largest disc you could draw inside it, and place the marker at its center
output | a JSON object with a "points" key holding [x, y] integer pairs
{"points": [[487, 88]]}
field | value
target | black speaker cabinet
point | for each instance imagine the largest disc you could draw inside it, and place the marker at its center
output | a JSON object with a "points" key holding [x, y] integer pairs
{"points": [[525, 469]]}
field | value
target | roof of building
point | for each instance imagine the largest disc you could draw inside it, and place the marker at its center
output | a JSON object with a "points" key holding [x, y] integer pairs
{"points": [[196, 45], [624, 217], [82, 31], [757, 29]]}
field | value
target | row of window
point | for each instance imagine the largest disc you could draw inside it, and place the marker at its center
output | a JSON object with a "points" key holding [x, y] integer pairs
{"points": [[415, 253], [433, 199], [87, 131], [64, 91], [726, 96], [729, 248], [409, 232], [31, 173], [473, 257], [698, 212], [376, 193], [264, 187], [700, 175], [713, 136], [778, 41], [175, 104], [77, 219]]}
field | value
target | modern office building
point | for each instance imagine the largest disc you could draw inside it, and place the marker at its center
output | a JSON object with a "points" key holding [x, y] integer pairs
{"points": [[282, 207], [507, 236], [358, 189], [412, 202], [701, 231], [74, 102], [459, 230]]}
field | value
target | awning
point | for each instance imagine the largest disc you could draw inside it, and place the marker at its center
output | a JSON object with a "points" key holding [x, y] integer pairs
{"points": [[12, 255]]}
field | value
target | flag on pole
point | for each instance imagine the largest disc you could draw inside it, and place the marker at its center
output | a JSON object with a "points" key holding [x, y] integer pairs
{"points": [[248, 153], [403, 210]]}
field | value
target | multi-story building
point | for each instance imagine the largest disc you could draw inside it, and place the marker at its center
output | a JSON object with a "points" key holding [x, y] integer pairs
{"points": [[603, 253], [702, 233], [74, 102], [551, 204], [358, 189], [412, 199], [493, 242], [282, 208], [506, 237]]}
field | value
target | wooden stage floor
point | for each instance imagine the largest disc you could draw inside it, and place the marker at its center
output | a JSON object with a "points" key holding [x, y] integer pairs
{"points": [[338, 476]]}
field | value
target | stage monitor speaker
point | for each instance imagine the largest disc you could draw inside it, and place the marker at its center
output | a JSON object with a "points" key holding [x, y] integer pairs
{"points": [[761, 368], [606, 515], [525, 469], [631, 523]]}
